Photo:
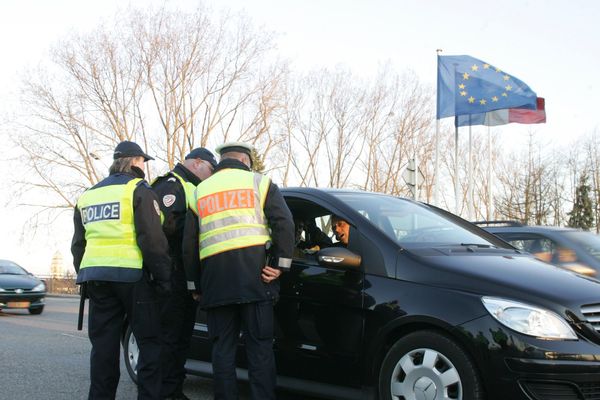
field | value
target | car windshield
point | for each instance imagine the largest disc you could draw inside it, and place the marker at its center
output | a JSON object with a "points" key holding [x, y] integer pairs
{"points": [[411, 224], [589, 241], [10, 268]]}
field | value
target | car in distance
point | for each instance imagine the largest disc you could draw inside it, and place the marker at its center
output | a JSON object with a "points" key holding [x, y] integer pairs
{"points": [[420, 305], [19, 289], [569, 248]]}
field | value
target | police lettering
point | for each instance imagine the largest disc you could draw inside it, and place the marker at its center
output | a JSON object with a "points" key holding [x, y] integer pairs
{"points": [[101, 212], [227, 200]]}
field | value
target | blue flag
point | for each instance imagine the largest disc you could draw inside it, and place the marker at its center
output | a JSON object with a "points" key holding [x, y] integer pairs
{"points": [[466, 85]]}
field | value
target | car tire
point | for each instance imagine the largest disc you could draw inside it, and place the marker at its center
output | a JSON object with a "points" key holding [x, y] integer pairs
{"points": [[36, 311], [131, 353], [428, 365]]}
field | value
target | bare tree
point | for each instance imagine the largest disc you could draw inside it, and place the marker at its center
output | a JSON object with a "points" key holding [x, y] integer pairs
{"points": [[168, 80], [526, 180]]}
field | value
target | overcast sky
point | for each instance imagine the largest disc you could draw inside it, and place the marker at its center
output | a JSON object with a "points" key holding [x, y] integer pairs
{"points": [[553, 46]]}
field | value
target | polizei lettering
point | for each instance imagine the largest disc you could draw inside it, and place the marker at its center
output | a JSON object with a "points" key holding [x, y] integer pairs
{"points": [[101, 212], [226, 200]]}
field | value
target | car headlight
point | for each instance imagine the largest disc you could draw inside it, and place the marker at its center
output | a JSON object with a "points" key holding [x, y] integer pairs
{"points": [[39, 288], [529, 320]]}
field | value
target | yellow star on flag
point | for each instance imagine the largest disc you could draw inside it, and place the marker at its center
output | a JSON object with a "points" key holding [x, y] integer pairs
{"points": [[504, 94], [486, 66], [463, 93], [465, 76], [506, 77], [482, 102], [461, 86], [471, 99], [495, 98], [474, 67], [508, 88]]}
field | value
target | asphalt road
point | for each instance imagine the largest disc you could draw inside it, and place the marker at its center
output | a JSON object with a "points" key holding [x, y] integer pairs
{"points": [[45, 357]]}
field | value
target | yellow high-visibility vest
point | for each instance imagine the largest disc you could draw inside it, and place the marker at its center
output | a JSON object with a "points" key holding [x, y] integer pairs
{"points": [[189, 188], [107, 215], [230, 206]]}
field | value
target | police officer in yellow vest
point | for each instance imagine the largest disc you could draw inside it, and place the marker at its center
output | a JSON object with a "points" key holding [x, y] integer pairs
{"points": [[238, 214], [175, 191], [120, 252]]}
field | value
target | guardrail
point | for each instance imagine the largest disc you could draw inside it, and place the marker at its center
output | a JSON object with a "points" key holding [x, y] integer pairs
{"points": [[60, 284]]}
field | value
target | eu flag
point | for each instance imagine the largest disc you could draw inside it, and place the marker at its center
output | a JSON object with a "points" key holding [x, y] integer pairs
{"points": [[466, 85]]}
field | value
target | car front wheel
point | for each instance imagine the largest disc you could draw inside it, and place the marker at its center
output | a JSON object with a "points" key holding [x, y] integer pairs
{"points": [[427, 365], [131, 353]]}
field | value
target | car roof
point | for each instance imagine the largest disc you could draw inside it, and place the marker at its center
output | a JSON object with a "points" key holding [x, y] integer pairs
{"points": [[528, 228]]}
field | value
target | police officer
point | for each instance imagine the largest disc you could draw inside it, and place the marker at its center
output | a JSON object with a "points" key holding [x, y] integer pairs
{"points": [[175, 191], [120, 252], [238, 213]]}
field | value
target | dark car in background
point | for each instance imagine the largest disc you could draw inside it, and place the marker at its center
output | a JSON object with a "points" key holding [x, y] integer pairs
{"points": [[572, 249], [420, 305], [19, 289]]}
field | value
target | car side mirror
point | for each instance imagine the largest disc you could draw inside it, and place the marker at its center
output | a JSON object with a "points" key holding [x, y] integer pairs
{"points": [[339, 257]]}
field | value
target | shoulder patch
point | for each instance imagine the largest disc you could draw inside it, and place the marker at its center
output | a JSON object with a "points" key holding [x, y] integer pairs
{"points": [[156, 207], [168, 200]]}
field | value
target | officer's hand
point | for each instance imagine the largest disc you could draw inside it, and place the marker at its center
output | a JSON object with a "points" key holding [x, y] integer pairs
{"points": [[270, 274], [196, 296]]}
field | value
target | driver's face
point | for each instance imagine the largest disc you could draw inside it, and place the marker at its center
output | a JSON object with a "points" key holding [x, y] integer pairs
{"points": [[341, 229]]}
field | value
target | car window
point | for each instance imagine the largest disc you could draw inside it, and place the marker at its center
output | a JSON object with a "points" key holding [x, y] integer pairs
{"points": [[408, 223], [313, 229], [540, 247], [10, 268], [589, 241]]}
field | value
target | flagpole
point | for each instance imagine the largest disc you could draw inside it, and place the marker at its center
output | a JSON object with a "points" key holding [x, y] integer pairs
{"points": [[436, 168], [470, 177], [456, 169], [490, 212]]}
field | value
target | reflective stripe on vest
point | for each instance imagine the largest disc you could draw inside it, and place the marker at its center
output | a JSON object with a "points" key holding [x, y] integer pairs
{"points": [[107, 215], [230, 209]]}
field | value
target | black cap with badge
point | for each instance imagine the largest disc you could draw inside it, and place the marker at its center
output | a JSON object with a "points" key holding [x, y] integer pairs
{"points": [[130, 149], [202, 153]]}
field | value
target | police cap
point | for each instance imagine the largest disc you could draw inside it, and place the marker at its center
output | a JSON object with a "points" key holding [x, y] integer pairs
{"points": [[130, 149], [202, 153], [237, 147]]}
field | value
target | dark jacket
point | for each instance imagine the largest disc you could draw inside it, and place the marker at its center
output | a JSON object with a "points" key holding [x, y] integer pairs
{"points": [[173, 205], [150, 237], [233, 276]]}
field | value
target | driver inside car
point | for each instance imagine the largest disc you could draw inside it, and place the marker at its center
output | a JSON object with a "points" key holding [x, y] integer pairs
{"points": [[341, 228], [309, 238]]}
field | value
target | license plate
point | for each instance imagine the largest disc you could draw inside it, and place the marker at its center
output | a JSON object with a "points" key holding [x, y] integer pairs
{"points": [[18, 304]]}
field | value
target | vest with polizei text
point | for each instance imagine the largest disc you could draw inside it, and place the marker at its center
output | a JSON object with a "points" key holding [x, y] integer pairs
{"points": [[107, 216], [229, 206]]}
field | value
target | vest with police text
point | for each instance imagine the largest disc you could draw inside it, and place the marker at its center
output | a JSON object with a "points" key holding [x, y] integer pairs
{"points": [[107, 215], [230, 206]]}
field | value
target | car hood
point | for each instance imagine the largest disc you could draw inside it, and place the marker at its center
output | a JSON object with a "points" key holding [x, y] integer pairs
{"points": [[18, 281], [515, 276]]}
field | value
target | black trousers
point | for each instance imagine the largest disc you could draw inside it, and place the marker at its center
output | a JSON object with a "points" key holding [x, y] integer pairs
{"points": [[255, 320], [110, 302], [178, 315]]}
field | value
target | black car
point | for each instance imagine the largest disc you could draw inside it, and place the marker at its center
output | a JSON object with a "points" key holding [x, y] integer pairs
{"points": [[569, 248], [420, 305], [19, 289]]}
